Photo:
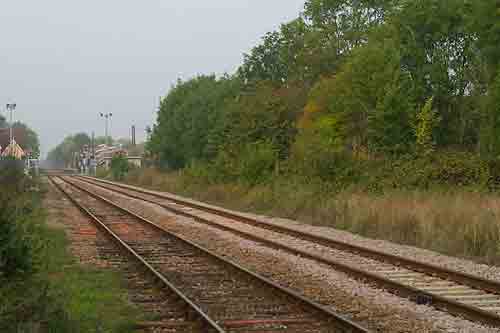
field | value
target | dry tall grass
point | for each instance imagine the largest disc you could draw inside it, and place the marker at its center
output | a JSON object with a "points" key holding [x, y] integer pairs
{"points": [[461, 224]]}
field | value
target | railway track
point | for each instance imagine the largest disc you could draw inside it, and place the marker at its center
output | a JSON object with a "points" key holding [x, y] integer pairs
{"points": [[58, 172], [460, 294], [221, 295]]}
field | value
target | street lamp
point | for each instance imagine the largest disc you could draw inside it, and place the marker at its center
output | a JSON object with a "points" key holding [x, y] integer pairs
{"points": [[106, 116], [11, 107]]}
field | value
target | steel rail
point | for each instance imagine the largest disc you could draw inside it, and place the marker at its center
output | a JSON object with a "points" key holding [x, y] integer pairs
{"points": [[348, 325], [209, 322], [448, 274], [57, 172], [417, 295]]}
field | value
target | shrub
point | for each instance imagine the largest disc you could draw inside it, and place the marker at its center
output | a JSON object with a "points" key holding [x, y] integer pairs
{"points": [[254, 163], [444, 169], [18, 247], [119, 167], [41, 287]]}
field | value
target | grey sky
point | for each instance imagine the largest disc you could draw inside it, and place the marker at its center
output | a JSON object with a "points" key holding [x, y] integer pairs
{"points": [[64, 61]]}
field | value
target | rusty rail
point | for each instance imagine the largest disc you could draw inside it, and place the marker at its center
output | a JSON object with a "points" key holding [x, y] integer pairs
{"points": [[340, 321], [418, 295], [209, 323]]}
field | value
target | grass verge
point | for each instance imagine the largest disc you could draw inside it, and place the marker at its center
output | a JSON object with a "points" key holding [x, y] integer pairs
{"points": [[52, 293]]}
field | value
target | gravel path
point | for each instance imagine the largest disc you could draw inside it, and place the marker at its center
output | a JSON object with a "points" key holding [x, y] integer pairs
{"points": [[373, 307]]}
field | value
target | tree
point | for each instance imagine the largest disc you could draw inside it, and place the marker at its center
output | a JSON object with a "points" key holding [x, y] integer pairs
{"points": [[425, 125], [484, 23], [490, 142], [439, 52], [370, 100], [119, 167], [264, 62], [187, 116], [346, 22], [360, 80], [294, 53], [31, 141], [63, 153], [263, 114]]}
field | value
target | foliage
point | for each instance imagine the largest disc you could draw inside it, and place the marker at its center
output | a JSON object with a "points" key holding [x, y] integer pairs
{"points": [[346, 92], [348, 22], [491, 120], [426, 122], [62, 155], [41, 288], [31, 141], [370, 99], [261, 114], [119, 167], [17, 257], [187, 117]]}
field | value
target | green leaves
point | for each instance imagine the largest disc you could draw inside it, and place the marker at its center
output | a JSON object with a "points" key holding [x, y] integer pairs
{"points": [[363, 80], [371, 99], [188, 117], [425, 124], [119, 167], [491, 120], [63, 153]]}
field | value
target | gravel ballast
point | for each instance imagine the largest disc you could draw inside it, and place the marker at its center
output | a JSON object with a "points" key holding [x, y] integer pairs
{"points": [[376, 308], [410, 252]]}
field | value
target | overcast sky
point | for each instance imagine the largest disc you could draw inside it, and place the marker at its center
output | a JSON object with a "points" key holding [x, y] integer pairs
{"points": [[64, 61]]}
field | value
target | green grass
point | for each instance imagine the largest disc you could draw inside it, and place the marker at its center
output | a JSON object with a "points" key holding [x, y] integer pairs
{"points": [[57, 294], [93, 300]]}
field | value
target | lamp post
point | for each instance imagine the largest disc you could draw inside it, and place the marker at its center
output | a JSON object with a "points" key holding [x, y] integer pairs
{"points": [[106, 116], [11, 107]]}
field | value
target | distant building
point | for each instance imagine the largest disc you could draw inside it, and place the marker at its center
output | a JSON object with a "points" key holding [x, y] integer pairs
{"points": [[104, 154], [19, 135], [13, 150]]}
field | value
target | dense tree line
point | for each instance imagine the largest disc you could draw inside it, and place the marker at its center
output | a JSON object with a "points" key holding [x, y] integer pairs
{"points": [[346, 86]]}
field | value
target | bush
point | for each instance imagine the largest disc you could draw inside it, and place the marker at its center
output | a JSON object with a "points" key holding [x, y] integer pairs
{"points": [[444, 169], [18, 246], [119, 167], [41, 288], [254, 163]]}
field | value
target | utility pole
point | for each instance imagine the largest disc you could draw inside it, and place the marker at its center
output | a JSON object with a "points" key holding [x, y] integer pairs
{"points": [[92, 143], [11, 107], [133, 136], [93, 160], [106, 116]]}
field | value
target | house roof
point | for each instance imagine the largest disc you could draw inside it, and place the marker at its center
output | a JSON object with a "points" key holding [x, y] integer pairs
{"points": [[14, 150], [18, 133]]}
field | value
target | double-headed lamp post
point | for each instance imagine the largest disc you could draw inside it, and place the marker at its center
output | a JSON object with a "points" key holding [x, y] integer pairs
{"points": [[11, 107], [106, 116]]}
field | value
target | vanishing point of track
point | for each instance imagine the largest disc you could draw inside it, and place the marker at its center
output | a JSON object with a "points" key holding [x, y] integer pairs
{"points": [[223, 296], [460, 294]]}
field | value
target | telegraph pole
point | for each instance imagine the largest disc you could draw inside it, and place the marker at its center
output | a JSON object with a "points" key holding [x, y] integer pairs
{"points": [[11, 107], [106, 116]]}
